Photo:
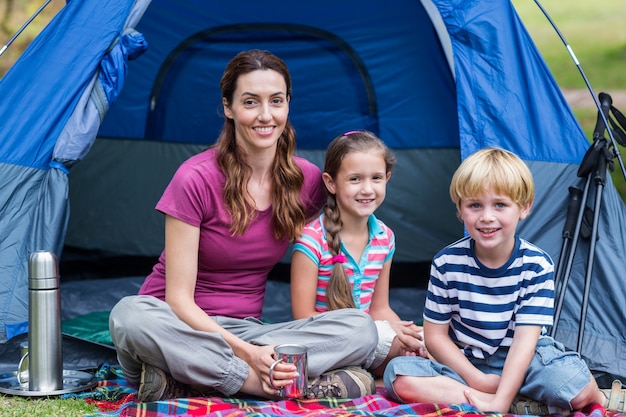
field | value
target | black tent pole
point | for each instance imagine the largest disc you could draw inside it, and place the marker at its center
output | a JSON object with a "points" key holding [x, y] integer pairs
{"points": [[598, 159], [568, 229], [20, 30], [600, 180], [564, 276], [570, 241]]}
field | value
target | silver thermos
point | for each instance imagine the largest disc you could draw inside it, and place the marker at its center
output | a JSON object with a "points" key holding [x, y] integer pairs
{"points": [[45, 366]]}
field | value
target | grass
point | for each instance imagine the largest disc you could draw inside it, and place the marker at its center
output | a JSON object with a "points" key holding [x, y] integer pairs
{"points": [[596, 32], [13, 14], [16, 406]]}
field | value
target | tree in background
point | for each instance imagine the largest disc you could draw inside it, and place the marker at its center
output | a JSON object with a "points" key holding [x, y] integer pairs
{"points": [[13, 14]]}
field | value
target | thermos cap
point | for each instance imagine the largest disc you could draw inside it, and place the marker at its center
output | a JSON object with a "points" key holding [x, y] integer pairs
{"points": [[43, 271]]}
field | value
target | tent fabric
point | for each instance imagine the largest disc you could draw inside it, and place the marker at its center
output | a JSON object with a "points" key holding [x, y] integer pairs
{"points": [[32, 209], [79, 133], [45, 131], [507, 97], [506, 94], [436, 80], [68, 51], [359, 86]]}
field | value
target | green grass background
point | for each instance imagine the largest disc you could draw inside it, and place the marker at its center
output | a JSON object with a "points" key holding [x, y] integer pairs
{"points": [[596, 33]]}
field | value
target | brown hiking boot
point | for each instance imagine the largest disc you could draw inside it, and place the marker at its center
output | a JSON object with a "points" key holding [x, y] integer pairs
{"points": [[156, 384], [615, 397], [349, 382], [526, 406]]}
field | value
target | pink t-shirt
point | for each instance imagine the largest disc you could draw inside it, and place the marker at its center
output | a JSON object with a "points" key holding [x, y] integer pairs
{"points": [[232, 270]]}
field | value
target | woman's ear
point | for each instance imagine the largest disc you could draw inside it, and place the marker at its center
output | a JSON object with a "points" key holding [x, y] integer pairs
{"points": [[328, 181], [227, 111]]}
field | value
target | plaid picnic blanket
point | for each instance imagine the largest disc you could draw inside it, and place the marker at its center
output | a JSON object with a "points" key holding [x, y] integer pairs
{"points": [[114, 397]]}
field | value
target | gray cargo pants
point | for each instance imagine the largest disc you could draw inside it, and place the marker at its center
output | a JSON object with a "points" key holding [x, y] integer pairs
{"points": [[145, 329]]}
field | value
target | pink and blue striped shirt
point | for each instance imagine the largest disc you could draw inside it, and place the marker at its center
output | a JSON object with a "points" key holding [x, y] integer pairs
{"points": [[362, 273]]}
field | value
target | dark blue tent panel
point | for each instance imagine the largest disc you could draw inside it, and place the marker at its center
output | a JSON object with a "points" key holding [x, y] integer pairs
{"points": [[377, 67]]}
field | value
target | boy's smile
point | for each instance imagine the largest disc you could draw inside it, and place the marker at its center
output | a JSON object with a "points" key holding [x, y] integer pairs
{"points": [[491, 220]]}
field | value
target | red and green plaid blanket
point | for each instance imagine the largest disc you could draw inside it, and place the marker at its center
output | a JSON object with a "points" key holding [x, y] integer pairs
{"points": [[114, 397]]}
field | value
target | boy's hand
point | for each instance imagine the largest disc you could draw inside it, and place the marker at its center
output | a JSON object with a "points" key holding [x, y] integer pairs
{"points": [[486, 383]]}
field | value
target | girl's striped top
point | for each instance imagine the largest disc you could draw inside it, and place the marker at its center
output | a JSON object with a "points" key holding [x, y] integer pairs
{"points": [[362, 273]]}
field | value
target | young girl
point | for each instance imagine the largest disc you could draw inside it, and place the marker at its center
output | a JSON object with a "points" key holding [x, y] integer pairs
{"points": [[343, 258]]}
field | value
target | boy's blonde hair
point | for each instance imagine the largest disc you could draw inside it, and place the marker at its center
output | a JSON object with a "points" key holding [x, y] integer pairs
{"points": [[493, 168]]}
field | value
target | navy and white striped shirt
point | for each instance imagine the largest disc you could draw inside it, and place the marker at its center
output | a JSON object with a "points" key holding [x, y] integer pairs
{"points": [[483, 305]]}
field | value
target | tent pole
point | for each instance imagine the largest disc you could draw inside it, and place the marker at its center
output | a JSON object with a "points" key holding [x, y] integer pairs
{"points": [[600, 181], [571, 232], [21, 29], [562, 277], [594, 166]]}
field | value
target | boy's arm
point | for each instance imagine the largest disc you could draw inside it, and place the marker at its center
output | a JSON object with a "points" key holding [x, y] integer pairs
{"points": [[516, 364]]}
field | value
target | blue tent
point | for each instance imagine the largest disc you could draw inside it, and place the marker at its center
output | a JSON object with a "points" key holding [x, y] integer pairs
{"points": [[55, 98], [436, 79]]}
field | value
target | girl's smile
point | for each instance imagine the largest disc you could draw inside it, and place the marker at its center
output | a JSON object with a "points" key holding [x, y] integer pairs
{"points": [[360, 185]]}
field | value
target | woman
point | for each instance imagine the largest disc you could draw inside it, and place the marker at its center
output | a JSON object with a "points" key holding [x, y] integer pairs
{"points": [[230, 213]]}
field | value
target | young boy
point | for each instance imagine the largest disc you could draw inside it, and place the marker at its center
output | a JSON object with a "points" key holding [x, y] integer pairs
{"points": [[490, 299]]}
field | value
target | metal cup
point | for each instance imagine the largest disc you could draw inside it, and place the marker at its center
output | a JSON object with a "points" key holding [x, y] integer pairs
{"points": [[22, 366], [297, 355]]}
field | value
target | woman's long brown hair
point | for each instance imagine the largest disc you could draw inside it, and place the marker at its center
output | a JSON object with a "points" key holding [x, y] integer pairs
{"points": [[288, 212]]}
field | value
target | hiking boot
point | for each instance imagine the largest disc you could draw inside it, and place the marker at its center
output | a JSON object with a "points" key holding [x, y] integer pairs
{"points": [[349, 382], [526, 406], [156, 384], [615, 397]]}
